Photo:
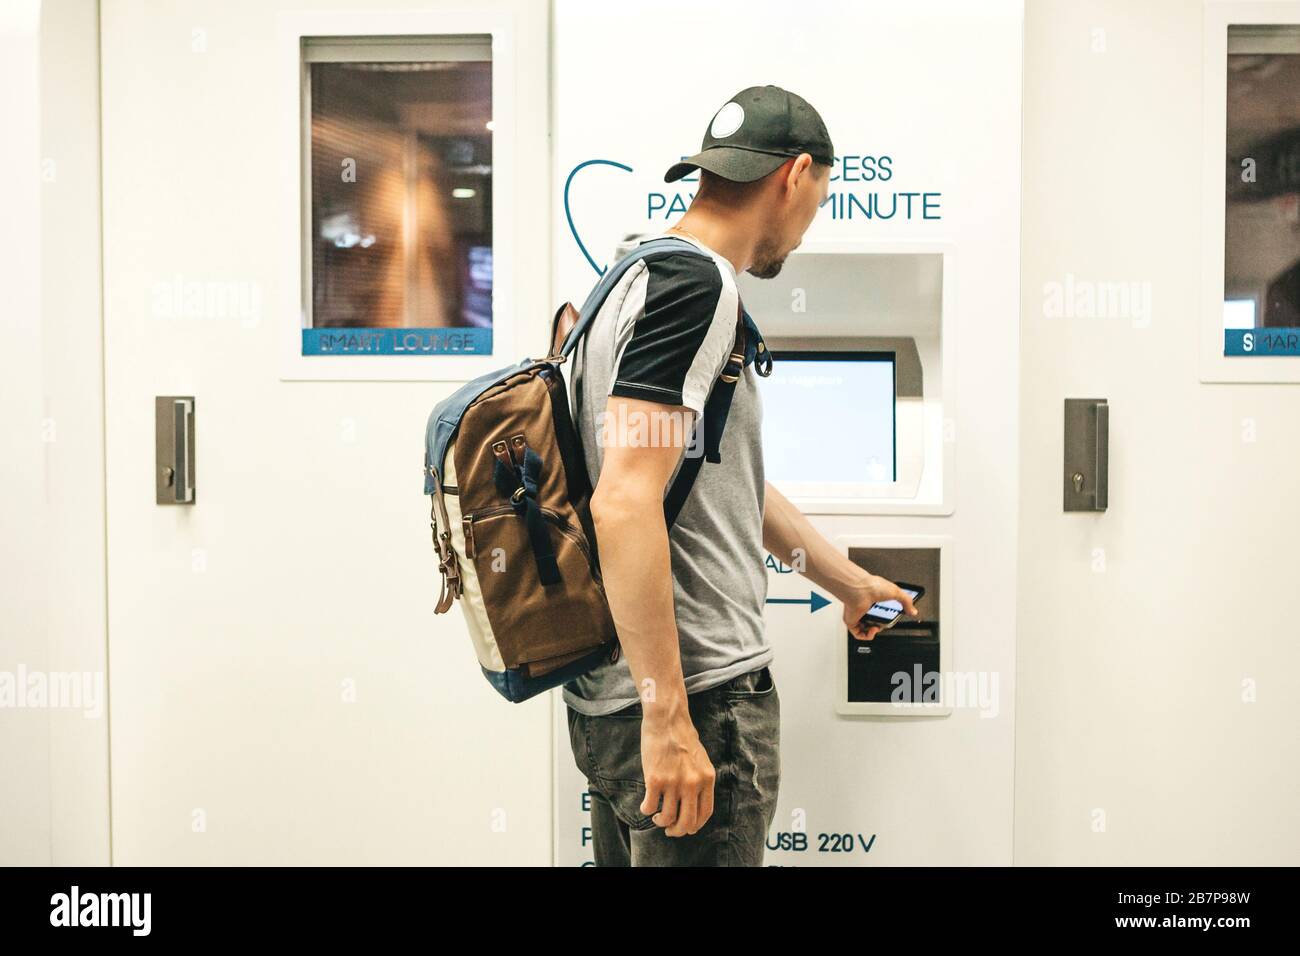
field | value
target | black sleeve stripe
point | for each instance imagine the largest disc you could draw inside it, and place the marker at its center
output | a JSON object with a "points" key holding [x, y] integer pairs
{"points": [[681, 300], [649, 393]]}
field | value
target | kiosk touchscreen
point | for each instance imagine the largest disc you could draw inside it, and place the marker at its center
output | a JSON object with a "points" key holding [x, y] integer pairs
{"points": [[853, 413], [811, 398]]}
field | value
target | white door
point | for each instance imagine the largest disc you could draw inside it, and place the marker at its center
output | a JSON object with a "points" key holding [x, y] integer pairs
{"points": [[280, 690], [1155, 721]]}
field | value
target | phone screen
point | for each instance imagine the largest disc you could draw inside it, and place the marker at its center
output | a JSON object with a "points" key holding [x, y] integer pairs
{"points": [[889, 610]]}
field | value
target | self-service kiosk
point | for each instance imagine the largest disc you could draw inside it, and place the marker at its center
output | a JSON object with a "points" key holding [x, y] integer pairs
{"points": [[853, 426]]}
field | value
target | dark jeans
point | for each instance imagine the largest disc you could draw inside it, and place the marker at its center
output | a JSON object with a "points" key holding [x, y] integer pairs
{"points": [[739, 724]]}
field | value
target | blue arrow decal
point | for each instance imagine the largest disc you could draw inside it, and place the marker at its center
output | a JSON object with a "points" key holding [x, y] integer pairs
{"points": [[568, 214], [814, 601]]}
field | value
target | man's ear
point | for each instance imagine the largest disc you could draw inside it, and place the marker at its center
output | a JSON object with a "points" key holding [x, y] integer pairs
{"points": [[803, 166], [792, 171]]}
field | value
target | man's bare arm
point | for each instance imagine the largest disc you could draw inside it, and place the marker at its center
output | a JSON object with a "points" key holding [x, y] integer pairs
{"points": [[628, 512], [789, 535]]}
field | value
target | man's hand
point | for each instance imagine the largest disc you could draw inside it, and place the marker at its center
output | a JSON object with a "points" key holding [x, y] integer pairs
{"points": [[678, 773], [788, 534], [866, 592]]}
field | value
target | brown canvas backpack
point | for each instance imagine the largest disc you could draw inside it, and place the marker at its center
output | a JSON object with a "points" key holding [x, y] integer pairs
{"points": [[510, 505]]}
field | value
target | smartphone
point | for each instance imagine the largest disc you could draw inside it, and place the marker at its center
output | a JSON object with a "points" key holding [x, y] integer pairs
{"points": [[884, 614]]}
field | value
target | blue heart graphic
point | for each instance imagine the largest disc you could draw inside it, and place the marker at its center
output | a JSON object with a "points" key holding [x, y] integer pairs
{"points": [[568, 214]]}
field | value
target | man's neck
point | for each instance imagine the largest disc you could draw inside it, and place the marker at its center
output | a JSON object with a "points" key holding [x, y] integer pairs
{"points": [[730, 236]]}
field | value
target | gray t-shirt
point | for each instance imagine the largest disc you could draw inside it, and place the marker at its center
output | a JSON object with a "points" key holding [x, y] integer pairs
{"points": [[663, 335]]}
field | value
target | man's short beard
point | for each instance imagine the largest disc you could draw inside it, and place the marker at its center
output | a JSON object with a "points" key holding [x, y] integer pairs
{"points": [[767, 263]]}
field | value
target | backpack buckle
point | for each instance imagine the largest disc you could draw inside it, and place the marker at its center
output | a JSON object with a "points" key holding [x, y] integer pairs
{"points": [[737, 361]]}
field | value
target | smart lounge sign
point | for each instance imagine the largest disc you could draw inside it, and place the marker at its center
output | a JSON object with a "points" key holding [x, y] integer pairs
{"points": [[1262, 341], [397, 341]]}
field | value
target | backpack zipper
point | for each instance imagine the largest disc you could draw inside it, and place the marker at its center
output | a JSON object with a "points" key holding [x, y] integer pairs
{"points": [[563, 527], [467, 527], [554, 517]]}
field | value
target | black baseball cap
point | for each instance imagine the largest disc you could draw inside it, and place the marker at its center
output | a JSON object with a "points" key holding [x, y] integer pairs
{"points": [[756, 131]]}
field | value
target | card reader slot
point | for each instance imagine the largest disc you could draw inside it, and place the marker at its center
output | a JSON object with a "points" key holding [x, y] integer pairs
{"points": [[914, 628]]}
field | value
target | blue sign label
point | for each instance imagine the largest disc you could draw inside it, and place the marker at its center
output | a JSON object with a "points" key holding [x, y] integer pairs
{"points": [[447, 341], [1283, 340]]}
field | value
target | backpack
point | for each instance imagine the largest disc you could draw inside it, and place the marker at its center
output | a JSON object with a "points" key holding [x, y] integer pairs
{"points": [[510, 504]]}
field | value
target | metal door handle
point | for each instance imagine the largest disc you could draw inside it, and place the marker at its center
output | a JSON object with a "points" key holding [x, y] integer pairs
{"points": [[174, 449], [1087, 442]]}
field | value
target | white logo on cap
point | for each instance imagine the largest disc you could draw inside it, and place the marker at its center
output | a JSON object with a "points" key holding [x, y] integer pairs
{"points": [[727, 121]]}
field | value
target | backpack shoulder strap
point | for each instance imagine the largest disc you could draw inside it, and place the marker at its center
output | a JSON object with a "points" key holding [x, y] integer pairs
{"points": [[610, 279], [748, 348]]}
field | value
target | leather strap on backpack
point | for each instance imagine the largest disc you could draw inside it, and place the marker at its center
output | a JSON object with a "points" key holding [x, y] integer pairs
{"points": [[447, 563]]}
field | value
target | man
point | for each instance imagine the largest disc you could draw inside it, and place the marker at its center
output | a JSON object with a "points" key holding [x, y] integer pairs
{"points": [[679, 737]]}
